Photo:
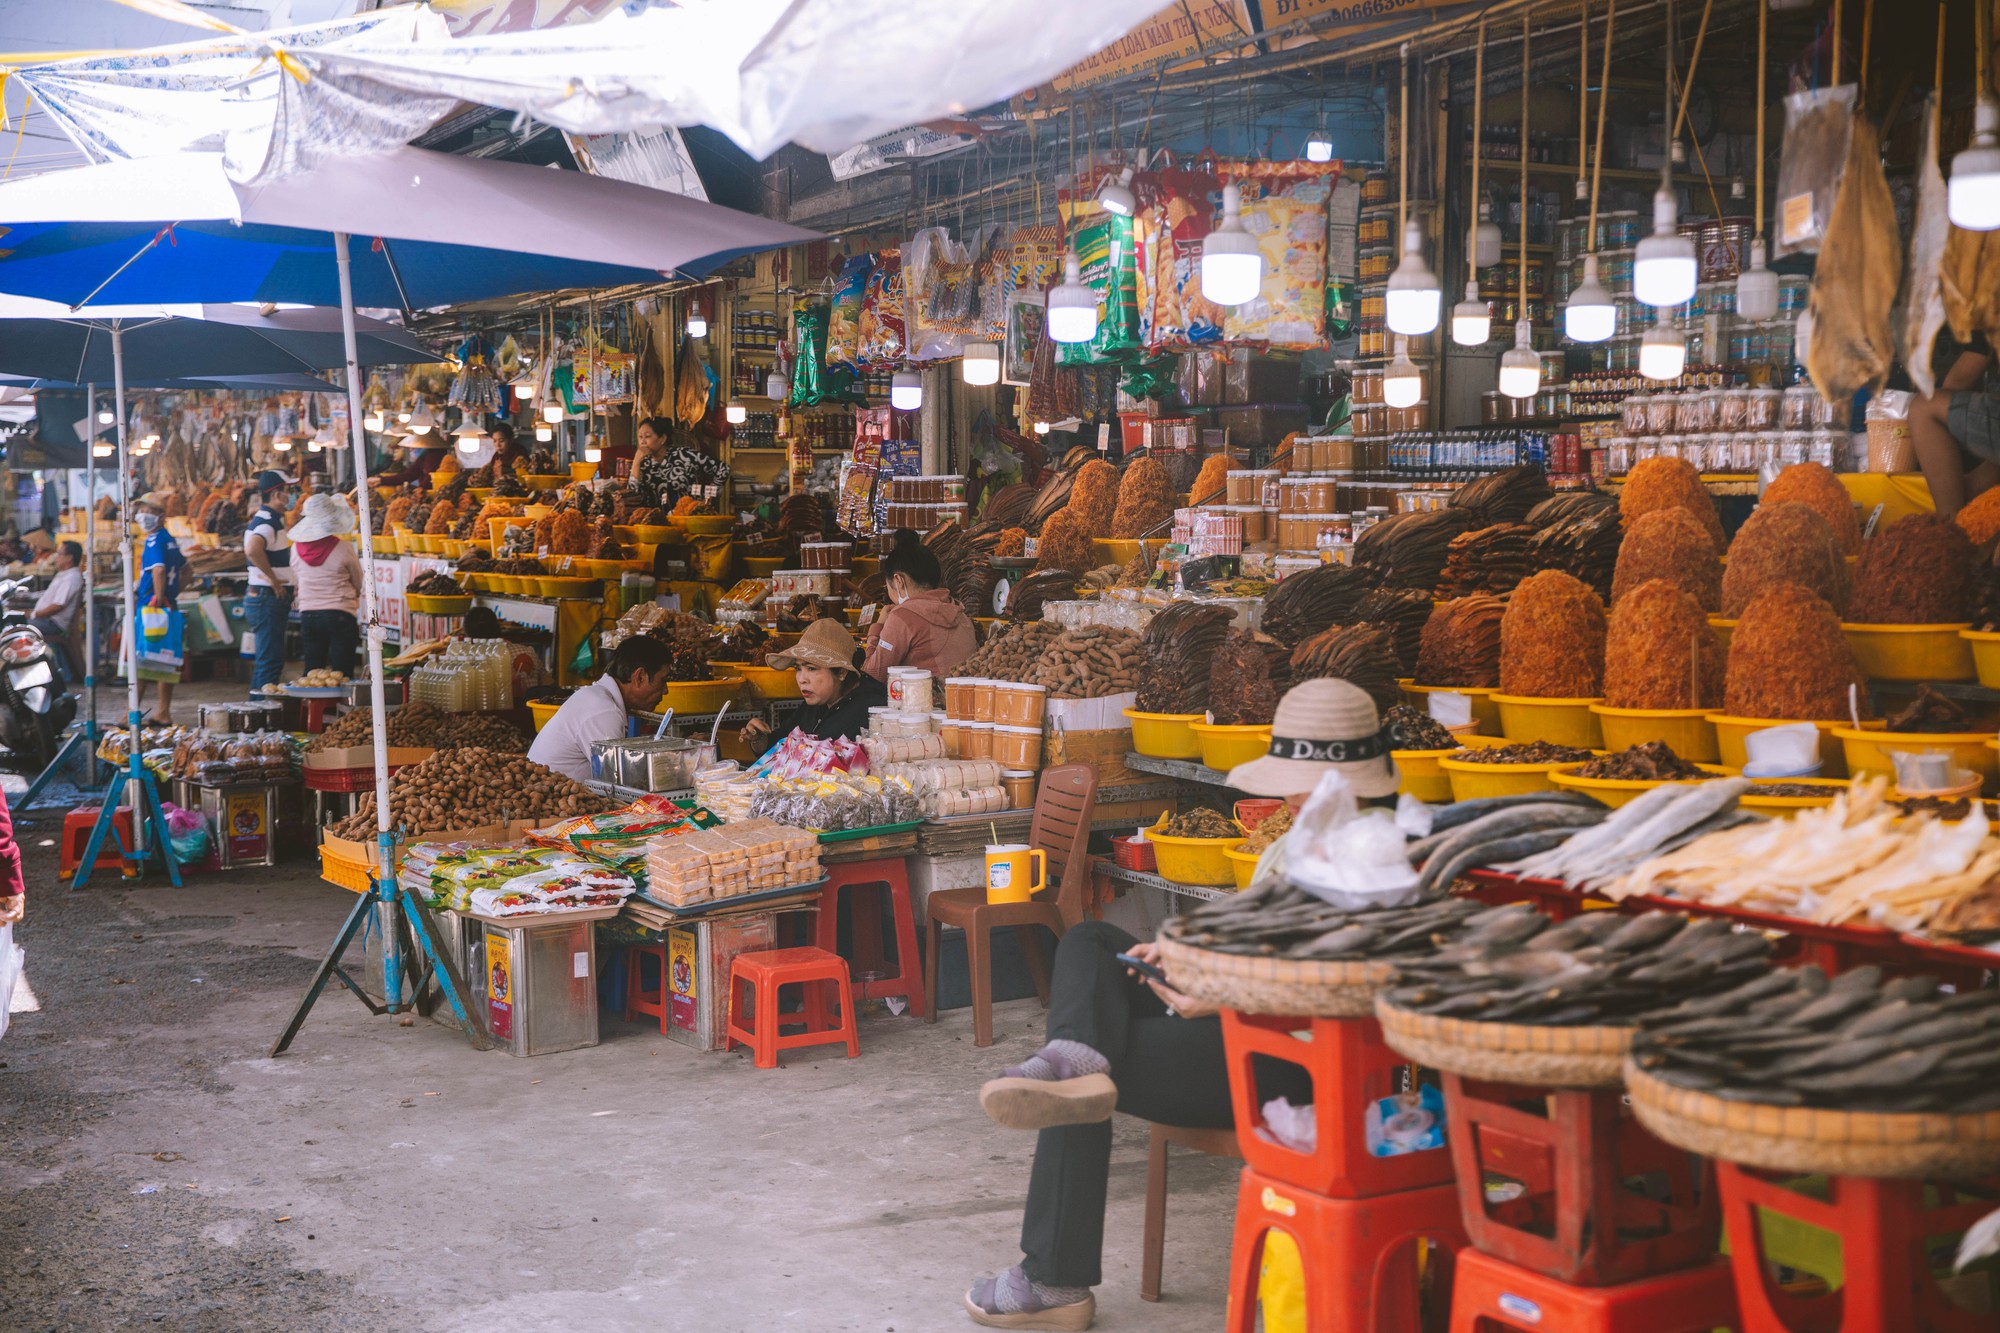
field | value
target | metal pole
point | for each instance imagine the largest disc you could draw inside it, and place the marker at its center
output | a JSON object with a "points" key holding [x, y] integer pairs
{"points": [[136, 759], [90, 581]]}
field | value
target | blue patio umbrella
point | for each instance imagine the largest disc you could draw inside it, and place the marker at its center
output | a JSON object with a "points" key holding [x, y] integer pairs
{"points": [[225, 341]]}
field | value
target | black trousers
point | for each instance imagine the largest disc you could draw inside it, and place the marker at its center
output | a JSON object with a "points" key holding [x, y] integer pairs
{"points": [[329, 639], [1168, 1070]]}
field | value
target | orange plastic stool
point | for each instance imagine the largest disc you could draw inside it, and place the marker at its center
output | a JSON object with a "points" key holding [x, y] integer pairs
{"points": [[765, 970], [1360, 1254], [891, 872], [1574, 1151], [1489, 1295], [77, 825], [1351, 1069], [639, 1000], [1887, 1285]]}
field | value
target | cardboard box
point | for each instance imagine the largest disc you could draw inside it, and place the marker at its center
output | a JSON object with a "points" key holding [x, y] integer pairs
{"points": [[1265, 424], [363, 756], [1104, 749]]}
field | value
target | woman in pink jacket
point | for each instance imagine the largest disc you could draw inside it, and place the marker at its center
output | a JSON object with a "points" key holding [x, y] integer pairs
{"points": [[925, 627], [328, 578]]}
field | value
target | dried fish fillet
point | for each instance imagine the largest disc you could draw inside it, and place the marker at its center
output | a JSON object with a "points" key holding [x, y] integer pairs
{"points": [[1854, 285], [1923, 297]]}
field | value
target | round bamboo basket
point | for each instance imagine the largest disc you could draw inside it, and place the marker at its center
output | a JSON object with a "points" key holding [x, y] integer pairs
{"points": [[1274, 985], [1917, 1145], [1555, 1057]]}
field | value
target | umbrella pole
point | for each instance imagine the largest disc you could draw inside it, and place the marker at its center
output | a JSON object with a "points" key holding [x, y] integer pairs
{"points": [[383, 890], [90, 586]]}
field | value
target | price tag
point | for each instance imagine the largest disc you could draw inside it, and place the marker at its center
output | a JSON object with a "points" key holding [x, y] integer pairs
{"points": [[1103, 437]]}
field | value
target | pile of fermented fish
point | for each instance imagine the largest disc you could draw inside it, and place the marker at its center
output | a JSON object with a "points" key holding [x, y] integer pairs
{"points": [[1282, 921], [1471, 834], [1855, 1043], [1514, 965], [1655, 823]]}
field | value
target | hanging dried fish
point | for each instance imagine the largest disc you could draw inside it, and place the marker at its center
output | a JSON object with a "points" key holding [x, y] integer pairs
{"points": [[1923, 296], [1854, 284]]}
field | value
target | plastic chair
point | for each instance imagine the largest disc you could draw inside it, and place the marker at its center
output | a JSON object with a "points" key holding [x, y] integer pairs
{"points": [[1214, 1142], [639, 1000], [77, 825], [1490, 1294], [891, 874], [764, 971], [1061, 827]]}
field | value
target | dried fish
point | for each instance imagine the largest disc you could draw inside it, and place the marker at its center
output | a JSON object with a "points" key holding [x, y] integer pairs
{"points": [[1854, 282]]}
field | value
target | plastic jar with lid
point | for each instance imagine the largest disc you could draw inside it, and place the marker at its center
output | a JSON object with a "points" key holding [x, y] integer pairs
{"points": [[975, 740], [910, 689], [1291, 495], [1019, 784], [876, 724], [1244, 486], [1254, 521], [1763, 412], [958, 696], [1017, 747], [1019, 705], [952, 733], [982, 699]]}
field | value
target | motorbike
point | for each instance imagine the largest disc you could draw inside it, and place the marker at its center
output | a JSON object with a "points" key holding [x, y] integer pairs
{"points": [[35, 709]]}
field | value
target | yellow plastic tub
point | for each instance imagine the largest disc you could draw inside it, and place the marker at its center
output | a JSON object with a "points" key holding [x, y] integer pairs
{"points": [[541, 712], [1731, 731], [1484, 711], [1165, 735], [707, 525], [762, 566], [653, 533], [1686, 731], [1193, 860], [1419, 775], [1724, 630], [570, 585], [1472, 782], [1779, 805], [771, 682], [546, 481], [1985, 647], [385, 544], [1869, 751], [1557, 721], [1243, 863], [700, 696], [1615, 792], [1120, 550], [582, 471], [1225, 747], [1912, 652], [439, 604]]}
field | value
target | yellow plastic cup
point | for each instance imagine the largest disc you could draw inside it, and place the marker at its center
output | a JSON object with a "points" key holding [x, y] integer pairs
{"points": [[1015, 872]]}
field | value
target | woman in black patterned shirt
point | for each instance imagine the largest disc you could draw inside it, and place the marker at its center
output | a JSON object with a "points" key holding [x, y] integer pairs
{"points": [[662, 475]]}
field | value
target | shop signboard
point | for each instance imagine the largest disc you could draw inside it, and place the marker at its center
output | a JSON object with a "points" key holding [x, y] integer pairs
{"points": [[1334, 18], [1171, 37]]}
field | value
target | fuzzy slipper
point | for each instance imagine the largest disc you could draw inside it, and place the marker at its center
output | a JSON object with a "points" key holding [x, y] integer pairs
{"points": [[1009, 1301], [1038, 1103]]}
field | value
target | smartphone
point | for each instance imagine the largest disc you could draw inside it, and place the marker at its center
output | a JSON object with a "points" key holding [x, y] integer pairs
{"points": [[1143, 968]]}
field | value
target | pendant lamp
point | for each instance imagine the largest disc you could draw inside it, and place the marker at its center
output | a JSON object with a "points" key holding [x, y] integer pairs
{"points": [[981, 365], [775, 387], [1232, 264], [906, 390], [1663, 268], [1663, 351], [421, 420], [1486, 237], [1319, 145], [697, 320], [552, 411], [1590, 315], [1472, 319], [1116, 196], [1072, 306], [1041, 428], [470, 435], [1972, 195], [1402, 383], [104, 416], [544, 432], [102, 449], [735, 413], [373, 421], [282, 443], [1520, 365], [1414, 297]]}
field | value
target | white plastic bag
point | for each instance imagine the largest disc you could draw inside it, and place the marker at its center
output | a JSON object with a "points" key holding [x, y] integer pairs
{"points": [[10, 972], [1346, 857]]}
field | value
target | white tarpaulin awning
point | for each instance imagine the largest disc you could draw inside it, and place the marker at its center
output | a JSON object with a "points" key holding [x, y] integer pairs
{"points": [[827, 74]]}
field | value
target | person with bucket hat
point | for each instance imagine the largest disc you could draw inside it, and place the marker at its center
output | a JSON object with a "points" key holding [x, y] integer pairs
{"points": [[1120, 1042], [326, 576], [837, 693]]}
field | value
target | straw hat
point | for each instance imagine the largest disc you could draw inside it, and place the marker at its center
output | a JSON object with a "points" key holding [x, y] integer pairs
{"points": [[826, 643], [1322, 724], [325, 515], [155, 499]]}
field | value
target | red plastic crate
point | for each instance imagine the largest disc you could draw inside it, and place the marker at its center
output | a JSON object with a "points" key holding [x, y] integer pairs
{"points": [[1134, 854], [342, 779]]}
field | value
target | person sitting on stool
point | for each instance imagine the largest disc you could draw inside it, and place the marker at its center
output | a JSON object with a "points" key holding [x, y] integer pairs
{"points": [[1956, 431], [55, 614]]}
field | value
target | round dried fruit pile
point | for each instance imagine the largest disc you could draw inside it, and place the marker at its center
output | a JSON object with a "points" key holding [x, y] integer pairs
{"points": [[468, 787]]}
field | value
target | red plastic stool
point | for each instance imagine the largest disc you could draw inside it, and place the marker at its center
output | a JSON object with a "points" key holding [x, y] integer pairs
{"points": [[1488, 1295], [892, 874], [1578, 1219], [766, 970], [316, 713], [77, 825], [1351, 1069], [1359, 1255], [639, 1000], [1887, 1285]]}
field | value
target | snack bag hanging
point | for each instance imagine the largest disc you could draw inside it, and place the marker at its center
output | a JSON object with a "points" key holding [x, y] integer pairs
{"points": [[1285, 206], [1109, 267], [809, 383], [881, 331], [1177, 209], [843, 329], [1819, 126]]}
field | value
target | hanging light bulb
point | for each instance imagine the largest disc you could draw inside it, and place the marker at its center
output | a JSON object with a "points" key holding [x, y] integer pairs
{"points": [[1471, 319], [1486, 237], [421, 420], [1663, 352], [282, 443], [592, 453], [1972, 196], [906, 390], [1319, 145], [102, 449], [1116, 196], [697, 322], [775, 387], [552, 412], [373, 421], [1756, 287], [544, 432], [470, 435], [1663, 267], [982, 363], [1232, 265], [313, 446], [1041, 428], [1402, 383], [1520, 365], [1590, 315], [1072, 306], [735, 413], [104, 416], [403, 417], [1414, 295]]}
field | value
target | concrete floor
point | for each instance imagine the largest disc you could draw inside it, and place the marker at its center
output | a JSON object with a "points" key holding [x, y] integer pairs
{"points": [[156, 1170]]}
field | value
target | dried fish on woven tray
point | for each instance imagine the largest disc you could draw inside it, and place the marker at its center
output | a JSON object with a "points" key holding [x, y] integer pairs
{"points": [[1490, 559], [1785, 541], [1789, 660], [1363, 655], [1419, 546], [1280, 920], [1460, 646], [1552, 639], [1854, 1042], [1504, 497], [1308, 602], [1661, 652], [1669, 544], [1584, 546], [1860, 266], [1403, 612], [1178, 645], [1916, 571]]}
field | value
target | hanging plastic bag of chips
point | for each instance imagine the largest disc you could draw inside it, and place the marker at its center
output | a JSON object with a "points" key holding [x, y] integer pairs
{"points": [[1177, 208], [1285, 207], [1105, 257], [843, 328], [882, 329]]}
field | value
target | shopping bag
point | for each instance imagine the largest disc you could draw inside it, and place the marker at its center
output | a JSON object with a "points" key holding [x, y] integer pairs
{"points": [[162, 649], [10, 972]]}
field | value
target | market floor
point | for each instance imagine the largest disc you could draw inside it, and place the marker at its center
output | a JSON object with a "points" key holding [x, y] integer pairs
{"points": [[156, 1170]]}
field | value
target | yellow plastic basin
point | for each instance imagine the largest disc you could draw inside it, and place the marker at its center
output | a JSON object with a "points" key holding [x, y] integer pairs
{"points": [[700, 696], [1193, 860], [545, 481], [1985, 653], [1166, 735], [707, 525], [1750, 800], [771, 682], [1224, 747], [582, 471], [1472, 782], [1243, 863], [1615, 792], [1724, 629], [1911, 652], [1686, 731], [385, 544], [1484, 711], [1731, 731], [541, 712], [1557, 721], [570, 585], [1869, 751], [1418, 774], [763, 566], [439, 604], [1120, 550]]}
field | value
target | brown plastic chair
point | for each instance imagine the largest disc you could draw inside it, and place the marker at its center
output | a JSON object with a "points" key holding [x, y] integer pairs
{"points": [[1214, 1142], [1063, 806]]}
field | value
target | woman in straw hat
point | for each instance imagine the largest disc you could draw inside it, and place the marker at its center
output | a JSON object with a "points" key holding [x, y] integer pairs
{"points": [[326, 574], [1120, 1042], [837, 693]]}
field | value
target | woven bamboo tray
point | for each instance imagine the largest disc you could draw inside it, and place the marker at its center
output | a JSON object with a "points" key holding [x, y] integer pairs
{"points": [[1287, 986], [1552, 1057], [1817, 1141]]}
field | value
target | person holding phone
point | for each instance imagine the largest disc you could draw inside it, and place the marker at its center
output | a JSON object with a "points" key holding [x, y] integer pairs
{"points": [[1120, 1040]]}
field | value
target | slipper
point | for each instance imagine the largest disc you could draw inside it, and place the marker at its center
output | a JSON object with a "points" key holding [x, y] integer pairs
{"points": [[1009, 1300], [1039, 1103]]}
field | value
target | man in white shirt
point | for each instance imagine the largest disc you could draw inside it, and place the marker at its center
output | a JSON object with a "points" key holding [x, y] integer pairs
{"points": [[635, 678], [267, 604], [56, 612]]}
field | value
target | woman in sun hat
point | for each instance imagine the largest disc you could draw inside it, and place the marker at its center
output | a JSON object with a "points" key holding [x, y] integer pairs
{"points": [[837, 693], [327, 575], [1116, 1042]]}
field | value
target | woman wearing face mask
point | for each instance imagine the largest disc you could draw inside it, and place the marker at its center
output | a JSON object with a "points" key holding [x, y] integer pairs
{"points": [[160, 566], [924, 626]]}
